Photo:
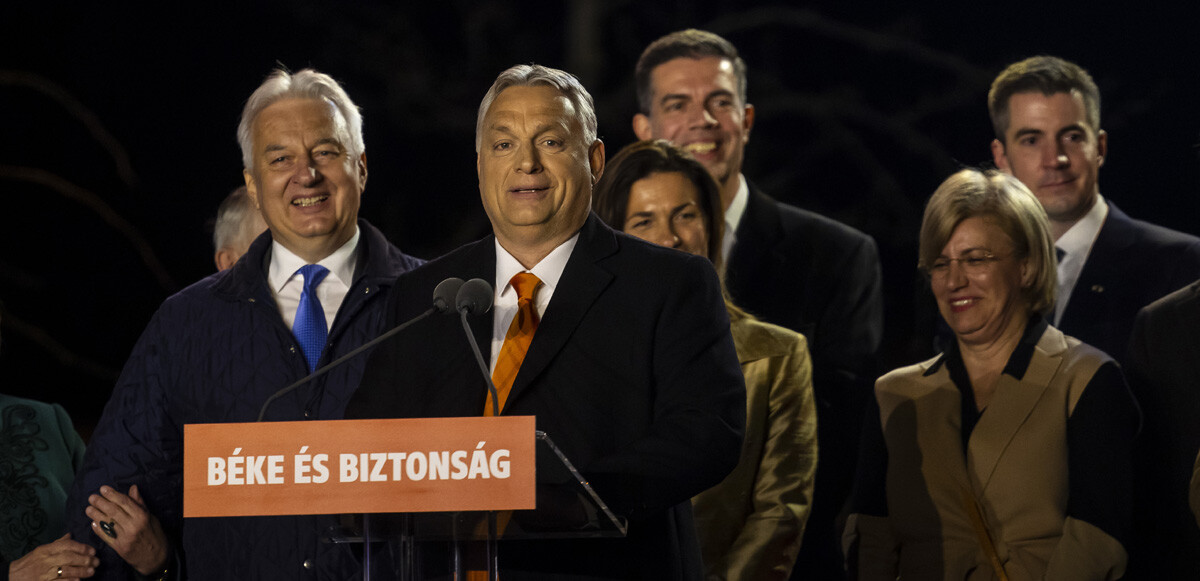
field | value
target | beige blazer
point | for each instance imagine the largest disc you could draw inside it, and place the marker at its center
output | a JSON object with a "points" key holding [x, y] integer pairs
{"points": [[750, 525], [1015, 470]]}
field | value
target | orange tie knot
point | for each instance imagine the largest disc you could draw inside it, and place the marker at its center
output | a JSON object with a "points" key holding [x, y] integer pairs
{"points": [[526, 284]]}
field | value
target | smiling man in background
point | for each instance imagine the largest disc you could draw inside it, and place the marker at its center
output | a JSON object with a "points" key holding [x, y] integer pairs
{"points": [[785, 265], [1046, 115]]}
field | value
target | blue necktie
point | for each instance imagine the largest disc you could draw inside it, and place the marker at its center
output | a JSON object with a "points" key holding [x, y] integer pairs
{"points": [[309, 328]]}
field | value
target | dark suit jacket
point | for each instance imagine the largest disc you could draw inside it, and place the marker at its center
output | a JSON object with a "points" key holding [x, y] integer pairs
{"points": [[821, 278], [632, 372], [1131, 265], [1164, 371]]}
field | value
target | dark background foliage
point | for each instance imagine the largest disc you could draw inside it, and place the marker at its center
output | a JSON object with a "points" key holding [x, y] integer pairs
{"points": [[118, 130]]}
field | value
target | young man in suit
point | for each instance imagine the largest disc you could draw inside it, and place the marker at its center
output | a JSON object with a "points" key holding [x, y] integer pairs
{"points": [[785, 265], [1046, 115], [636, 381]]}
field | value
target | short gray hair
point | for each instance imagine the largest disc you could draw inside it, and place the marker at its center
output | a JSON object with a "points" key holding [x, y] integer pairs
{"points": [[531, 75], [306, 84], [234, 220]]}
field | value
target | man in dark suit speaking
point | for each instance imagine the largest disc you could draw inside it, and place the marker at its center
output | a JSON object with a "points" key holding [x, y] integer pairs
{"points": [[636, 379]]}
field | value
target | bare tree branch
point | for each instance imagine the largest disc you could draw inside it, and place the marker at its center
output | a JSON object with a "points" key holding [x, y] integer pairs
{"points": [[107, 213]]}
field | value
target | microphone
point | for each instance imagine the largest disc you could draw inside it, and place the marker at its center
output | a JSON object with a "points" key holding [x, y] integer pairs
{"points": [[441, 300], [446, 293], [475, 298]]}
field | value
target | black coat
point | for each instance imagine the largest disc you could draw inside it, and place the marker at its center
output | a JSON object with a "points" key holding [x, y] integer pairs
{"points": [[1164, 372], [1131, 265], [214, 353], [821, 278], [632, 372]]}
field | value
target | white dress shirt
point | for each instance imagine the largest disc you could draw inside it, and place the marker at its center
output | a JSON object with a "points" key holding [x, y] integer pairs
{"points": [[287, 284], [1077, 244], [733, 217], [549, 271]]}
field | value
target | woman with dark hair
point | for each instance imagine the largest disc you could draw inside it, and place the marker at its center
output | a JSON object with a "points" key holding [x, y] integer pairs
{"points": [[750, 525]]}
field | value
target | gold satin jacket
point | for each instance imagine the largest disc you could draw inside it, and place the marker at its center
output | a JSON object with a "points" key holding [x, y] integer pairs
{"points": [[750, 525]]}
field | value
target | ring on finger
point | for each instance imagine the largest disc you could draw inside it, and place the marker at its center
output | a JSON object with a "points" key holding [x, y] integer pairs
{"points": [[109, 528], [60, 571]]}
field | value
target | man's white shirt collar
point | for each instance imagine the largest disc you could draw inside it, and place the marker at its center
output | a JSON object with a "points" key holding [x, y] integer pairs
{"points": [[733, 217], [287, 286], [1077, 243], [549, 271]]}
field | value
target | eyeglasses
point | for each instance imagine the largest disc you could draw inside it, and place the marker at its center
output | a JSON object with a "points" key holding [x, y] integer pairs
{"points": [[973, 263]]}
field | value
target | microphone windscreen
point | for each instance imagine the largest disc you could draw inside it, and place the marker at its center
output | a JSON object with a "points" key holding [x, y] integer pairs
{"points": [[445, 294], [475, 297]]}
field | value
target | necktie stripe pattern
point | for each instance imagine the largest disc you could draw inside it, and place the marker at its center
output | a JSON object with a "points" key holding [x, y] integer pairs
{"points": [[517, 340], [310, 328]]}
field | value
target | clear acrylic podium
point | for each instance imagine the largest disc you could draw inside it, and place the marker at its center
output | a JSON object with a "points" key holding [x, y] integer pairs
{"points": [[567, 507]]}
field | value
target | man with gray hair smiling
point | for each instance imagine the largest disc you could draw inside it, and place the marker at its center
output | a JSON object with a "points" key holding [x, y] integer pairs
{"points": [[619, 347], [311, 291]]}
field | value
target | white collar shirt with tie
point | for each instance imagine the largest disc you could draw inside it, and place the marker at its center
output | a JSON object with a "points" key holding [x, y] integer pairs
{"points": [[549, 271], [287, 285], [1077, 243], [733, 217]]}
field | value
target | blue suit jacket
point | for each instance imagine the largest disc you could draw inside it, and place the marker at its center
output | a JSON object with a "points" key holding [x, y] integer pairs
{"points": [[214, 352], [1131, 265]]}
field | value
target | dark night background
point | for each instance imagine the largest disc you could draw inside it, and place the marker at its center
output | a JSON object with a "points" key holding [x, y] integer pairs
{"points": [[118, 131]]}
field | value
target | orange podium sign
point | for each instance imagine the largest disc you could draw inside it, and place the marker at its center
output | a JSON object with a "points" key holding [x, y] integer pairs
{"points": [[359, 466]]}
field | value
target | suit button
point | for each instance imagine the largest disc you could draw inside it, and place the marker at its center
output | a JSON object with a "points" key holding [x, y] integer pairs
{"points": [[308, 563]]}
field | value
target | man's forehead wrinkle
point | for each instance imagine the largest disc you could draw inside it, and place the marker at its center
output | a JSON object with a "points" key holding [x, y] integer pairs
{"points": [[505, 121]]}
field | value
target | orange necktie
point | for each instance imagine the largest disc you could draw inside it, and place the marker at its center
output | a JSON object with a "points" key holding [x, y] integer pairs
{"points": [[516, 341]]}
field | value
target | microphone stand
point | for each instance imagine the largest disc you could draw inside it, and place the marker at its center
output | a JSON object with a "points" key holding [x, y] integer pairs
{"points": [[322, 371], [483, 366]]}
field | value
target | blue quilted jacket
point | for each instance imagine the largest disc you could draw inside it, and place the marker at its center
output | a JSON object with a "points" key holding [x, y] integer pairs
{"points": [[214, 353]]}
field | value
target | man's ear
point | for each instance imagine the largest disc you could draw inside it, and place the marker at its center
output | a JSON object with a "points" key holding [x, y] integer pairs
{"points": [[596, 160], [251, 188], [1102, 145], [362, 170], [224, 258], [641, 127], [999, 156], [747, 122]]}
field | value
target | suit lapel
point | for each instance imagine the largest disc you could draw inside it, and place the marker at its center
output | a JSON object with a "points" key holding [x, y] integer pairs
{"points": [[1105, 264], [1011, 406], [482, 264], [757, 235], [582, 282]]}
